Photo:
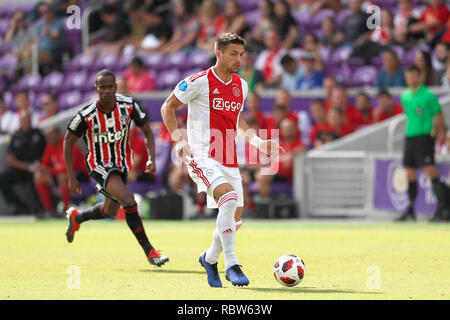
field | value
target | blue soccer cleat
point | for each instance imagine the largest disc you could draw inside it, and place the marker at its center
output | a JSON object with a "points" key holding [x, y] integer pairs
{"points": [[235, 275], [211, 271]]}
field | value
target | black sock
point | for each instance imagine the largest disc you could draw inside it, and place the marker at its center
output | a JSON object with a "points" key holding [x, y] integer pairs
{"points": [[440, 191], [412, 193], [92, 213], [135, 224]]}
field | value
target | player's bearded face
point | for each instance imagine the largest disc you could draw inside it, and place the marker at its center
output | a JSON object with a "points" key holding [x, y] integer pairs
{"points": [[231, 57]]}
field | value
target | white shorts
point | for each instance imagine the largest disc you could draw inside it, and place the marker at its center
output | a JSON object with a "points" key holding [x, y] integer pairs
{"points": [[208, 174]]}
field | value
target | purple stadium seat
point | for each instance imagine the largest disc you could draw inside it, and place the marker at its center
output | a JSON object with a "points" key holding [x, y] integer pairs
{"points": [[90, 82], [320, 15], [52, 82], [341, 16], [409, 57], [8, 63], [303, 18], [342, 74], [75, 81], [7, 9], [277, 188], [170, 78], [177, 60], [72, 37], [80, 61], [341, 54], [162, 162], [8, 98], [30, 81], [89, 97], [155, 61], [355, 62], [70, 99], [190, 72], [198, 59], [124, 61], [400, 52], [365, 76], [253, 17], [109, 61]]}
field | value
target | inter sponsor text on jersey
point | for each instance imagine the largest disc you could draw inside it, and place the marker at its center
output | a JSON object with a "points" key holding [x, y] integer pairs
{"points": [[213, 112], [106, 133]]}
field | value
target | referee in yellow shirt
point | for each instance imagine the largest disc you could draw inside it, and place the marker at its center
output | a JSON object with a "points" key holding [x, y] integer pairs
{"points": [[422, 111]]}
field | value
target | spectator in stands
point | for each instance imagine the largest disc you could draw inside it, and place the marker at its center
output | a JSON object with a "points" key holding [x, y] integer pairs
{"points": [[186, 28], [386, 107], [310, 77], [52, 170], [283, 98], [392, 75], [121, 85], [135, 14], [21, 37], [138, 78], [313, 6], [7, 119], [423, 61], [406, 16], [378, 40], [253, 102], [440, 59], [282, 167], [157, 30], [311, 44], [23, 104], [354, 29], [292, 72], [247, 70], [442, 141], [235, 19], [337, 125], [362, 103], [49, 106], [23, 155], [212, 24], [339, 100], [329, 83], [287, 26], [268, 61], [319, 115], [137, 172], [265, 23], [433, 18], [117, 29], [50, 33], [329, 37]]}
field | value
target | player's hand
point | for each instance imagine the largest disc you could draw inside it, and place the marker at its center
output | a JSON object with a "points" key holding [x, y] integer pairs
{"points": [[150, 167], [183, 150], [74, 186], [271, 148]]}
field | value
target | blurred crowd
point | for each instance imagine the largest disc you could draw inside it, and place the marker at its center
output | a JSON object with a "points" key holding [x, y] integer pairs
{"points": [[283, 53]]}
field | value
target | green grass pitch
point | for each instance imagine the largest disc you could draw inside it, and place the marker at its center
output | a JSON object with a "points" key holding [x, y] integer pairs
{"points": [[344, 260]]}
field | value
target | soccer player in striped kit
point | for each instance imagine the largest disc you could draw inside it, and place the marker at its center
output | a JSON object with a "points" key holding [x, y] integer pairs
{"points": [[104, 125], [215, 99]]}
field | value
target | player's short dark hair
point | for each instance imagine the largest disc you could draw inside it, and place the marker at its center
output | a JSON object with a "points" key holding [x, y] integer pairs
{"points": [[225, 39], [105, 73], [413, 68], [286, 59], [384, 92]]}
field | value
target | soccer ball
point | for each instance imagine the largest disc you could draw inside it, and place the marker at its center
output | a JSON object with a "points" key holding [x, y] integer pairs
{"points": [[289, 270]]}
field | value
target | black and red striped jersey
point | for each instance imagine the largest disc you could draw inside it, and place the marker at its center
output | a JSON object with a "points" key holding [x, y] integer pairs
{"points": [[106, 134]]}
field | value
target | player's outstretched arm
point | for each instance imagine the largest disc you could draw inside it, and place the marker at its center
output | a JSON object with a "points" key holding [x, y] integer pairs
{"points": [[269, 147], [169, 116], [69, 140]]}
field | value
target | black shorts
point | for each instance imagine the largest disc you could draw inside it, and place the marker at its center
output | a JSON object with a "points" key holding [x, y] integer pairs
{"points": [[419, 151], [101, 174]]}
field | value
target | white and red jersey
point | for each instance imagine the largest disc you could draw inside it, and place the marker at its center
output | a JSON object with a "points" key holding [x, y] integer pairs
{"points": [[214, 107], [107, 133]]}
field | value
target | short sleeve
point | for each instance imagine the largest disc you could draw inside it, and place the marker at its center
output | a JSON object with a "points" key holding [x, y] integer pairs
{"points": [[434, 104], [77, 125], [186, 90], [138, 114]]}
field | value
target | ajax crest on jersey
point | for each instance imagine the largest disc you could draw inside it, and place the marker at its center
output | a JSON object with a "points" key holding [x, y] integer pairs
{"points": [[289, 270]]}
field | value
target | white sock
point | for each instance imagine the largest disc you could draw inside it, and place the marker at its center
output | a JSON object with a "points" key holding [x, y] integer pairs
{"points": [[226, 226], [214, 250]]}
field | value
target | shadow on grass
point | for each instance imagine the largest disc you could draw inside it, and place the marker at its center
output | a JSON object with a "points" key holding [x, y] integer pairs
{"points": [[173, 271], [310, 290]]}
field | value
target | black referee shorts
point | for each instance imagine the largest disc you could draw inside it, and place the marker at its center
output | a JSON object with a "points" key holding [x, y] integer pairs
{"points": [[101, 174], [419, 151]]}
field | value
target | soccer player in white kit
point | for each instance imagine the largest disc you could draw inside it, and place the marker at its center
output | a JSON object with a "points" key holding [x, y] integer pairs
{"points": [[215, 99]]}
